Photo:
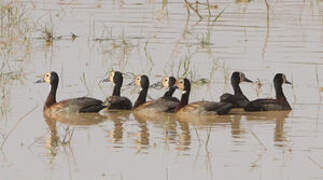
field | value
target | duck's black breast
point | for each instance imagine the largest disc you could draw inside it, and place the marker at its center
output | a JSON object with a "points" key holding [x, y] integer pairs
{"points": [[118, 102], [238, 100], [81, 104], [268, 105]]}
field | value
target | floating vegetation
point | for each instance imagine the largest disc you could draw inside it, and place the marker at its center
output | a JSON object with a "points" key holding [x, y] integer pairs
{"points": [[50, 36]]}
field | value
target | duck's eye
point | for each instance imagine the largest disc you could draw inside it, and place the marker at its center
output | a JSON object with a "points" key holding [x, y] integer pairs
{"points": [[181, 82], [166, 80], [46, 75]]}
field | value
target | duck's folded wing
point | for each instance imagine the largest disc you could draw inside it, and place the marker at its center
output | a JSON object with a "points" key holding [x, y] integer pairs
{"points": [[117, 102], [225, 97], [263, 105], [218, 107], [239, 101], [208, 107], [159, 105], [82, 104]]}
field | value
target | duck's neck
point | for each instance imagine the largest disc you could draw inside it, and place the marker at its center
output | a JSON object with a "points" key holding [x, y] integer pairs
{"points": [[184, 100], [116, 89], [141, 98], [236, 87], [279, 91], [51, 99], [170, 92]]}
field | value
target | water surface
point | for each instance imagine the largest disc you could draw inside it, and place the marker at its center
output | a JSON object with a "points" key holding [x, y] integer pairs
{"points": [[158, 38]]}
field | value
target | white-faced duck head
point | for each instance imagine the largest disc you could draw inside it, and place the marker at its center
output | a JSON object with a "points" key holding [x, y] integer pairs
{"points": [[50, 78], [184, 85], [142, 81], [115, 77], [168, 81]]}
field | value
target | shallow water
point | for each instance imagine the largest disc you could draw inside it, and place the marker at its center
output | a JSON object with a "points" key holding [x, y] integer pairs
{"points": [[157, 39]]}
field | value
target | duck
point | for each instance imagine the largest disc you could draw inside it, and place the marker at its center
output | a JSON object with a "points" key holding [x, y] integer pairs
{"points": [[169, 82], [116, 102], [73, 105], [198, 107], [238, 99], [163, 104], [278, 104]]}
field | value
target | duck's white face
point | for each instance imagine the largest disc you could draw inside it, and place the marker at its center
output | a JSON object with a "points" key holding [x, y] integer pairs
{"points": [[47, 77], [165, 81], [137, 81], [180, 85], [111, 76]]}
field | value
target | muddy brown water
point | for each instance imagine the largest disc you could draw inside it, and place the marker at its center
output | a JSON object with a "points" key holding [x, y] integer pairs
{"points": [[157, 39]]}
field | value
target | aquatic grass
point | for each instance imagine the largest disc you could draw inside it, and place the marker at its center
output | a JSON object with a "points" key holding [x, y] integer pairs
{"points": [[205, 40], [194, 6], [15, 48], [15, 34], [259, 86], [83, 81], [317, 82], [218, 15], [148, 56], [15, 126], [315, 162]]}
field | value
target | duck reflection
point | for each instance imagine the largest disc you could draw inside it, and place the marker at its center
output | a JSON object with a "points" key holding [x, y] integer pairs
{"points": [[118, 118], [279, 134], [142, 140], [69, 119], [279, 118], [184, 139], [204, 120], [164, 121], [236, 130], [52, 139], [198, 121], [236, 116]]}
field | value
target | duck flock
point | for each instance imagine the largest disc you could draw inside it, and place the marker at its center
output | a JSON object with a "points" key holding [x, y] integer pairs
{"points": [[166, 103]]}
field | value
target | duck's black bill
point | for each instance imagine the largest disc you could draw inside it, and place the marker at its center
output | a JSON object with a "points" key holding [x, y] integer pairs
{"points": [[247, 80], [287, 82], [130, 84], [105, 80], [40, 81], [174, 86], [157, 85]]}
